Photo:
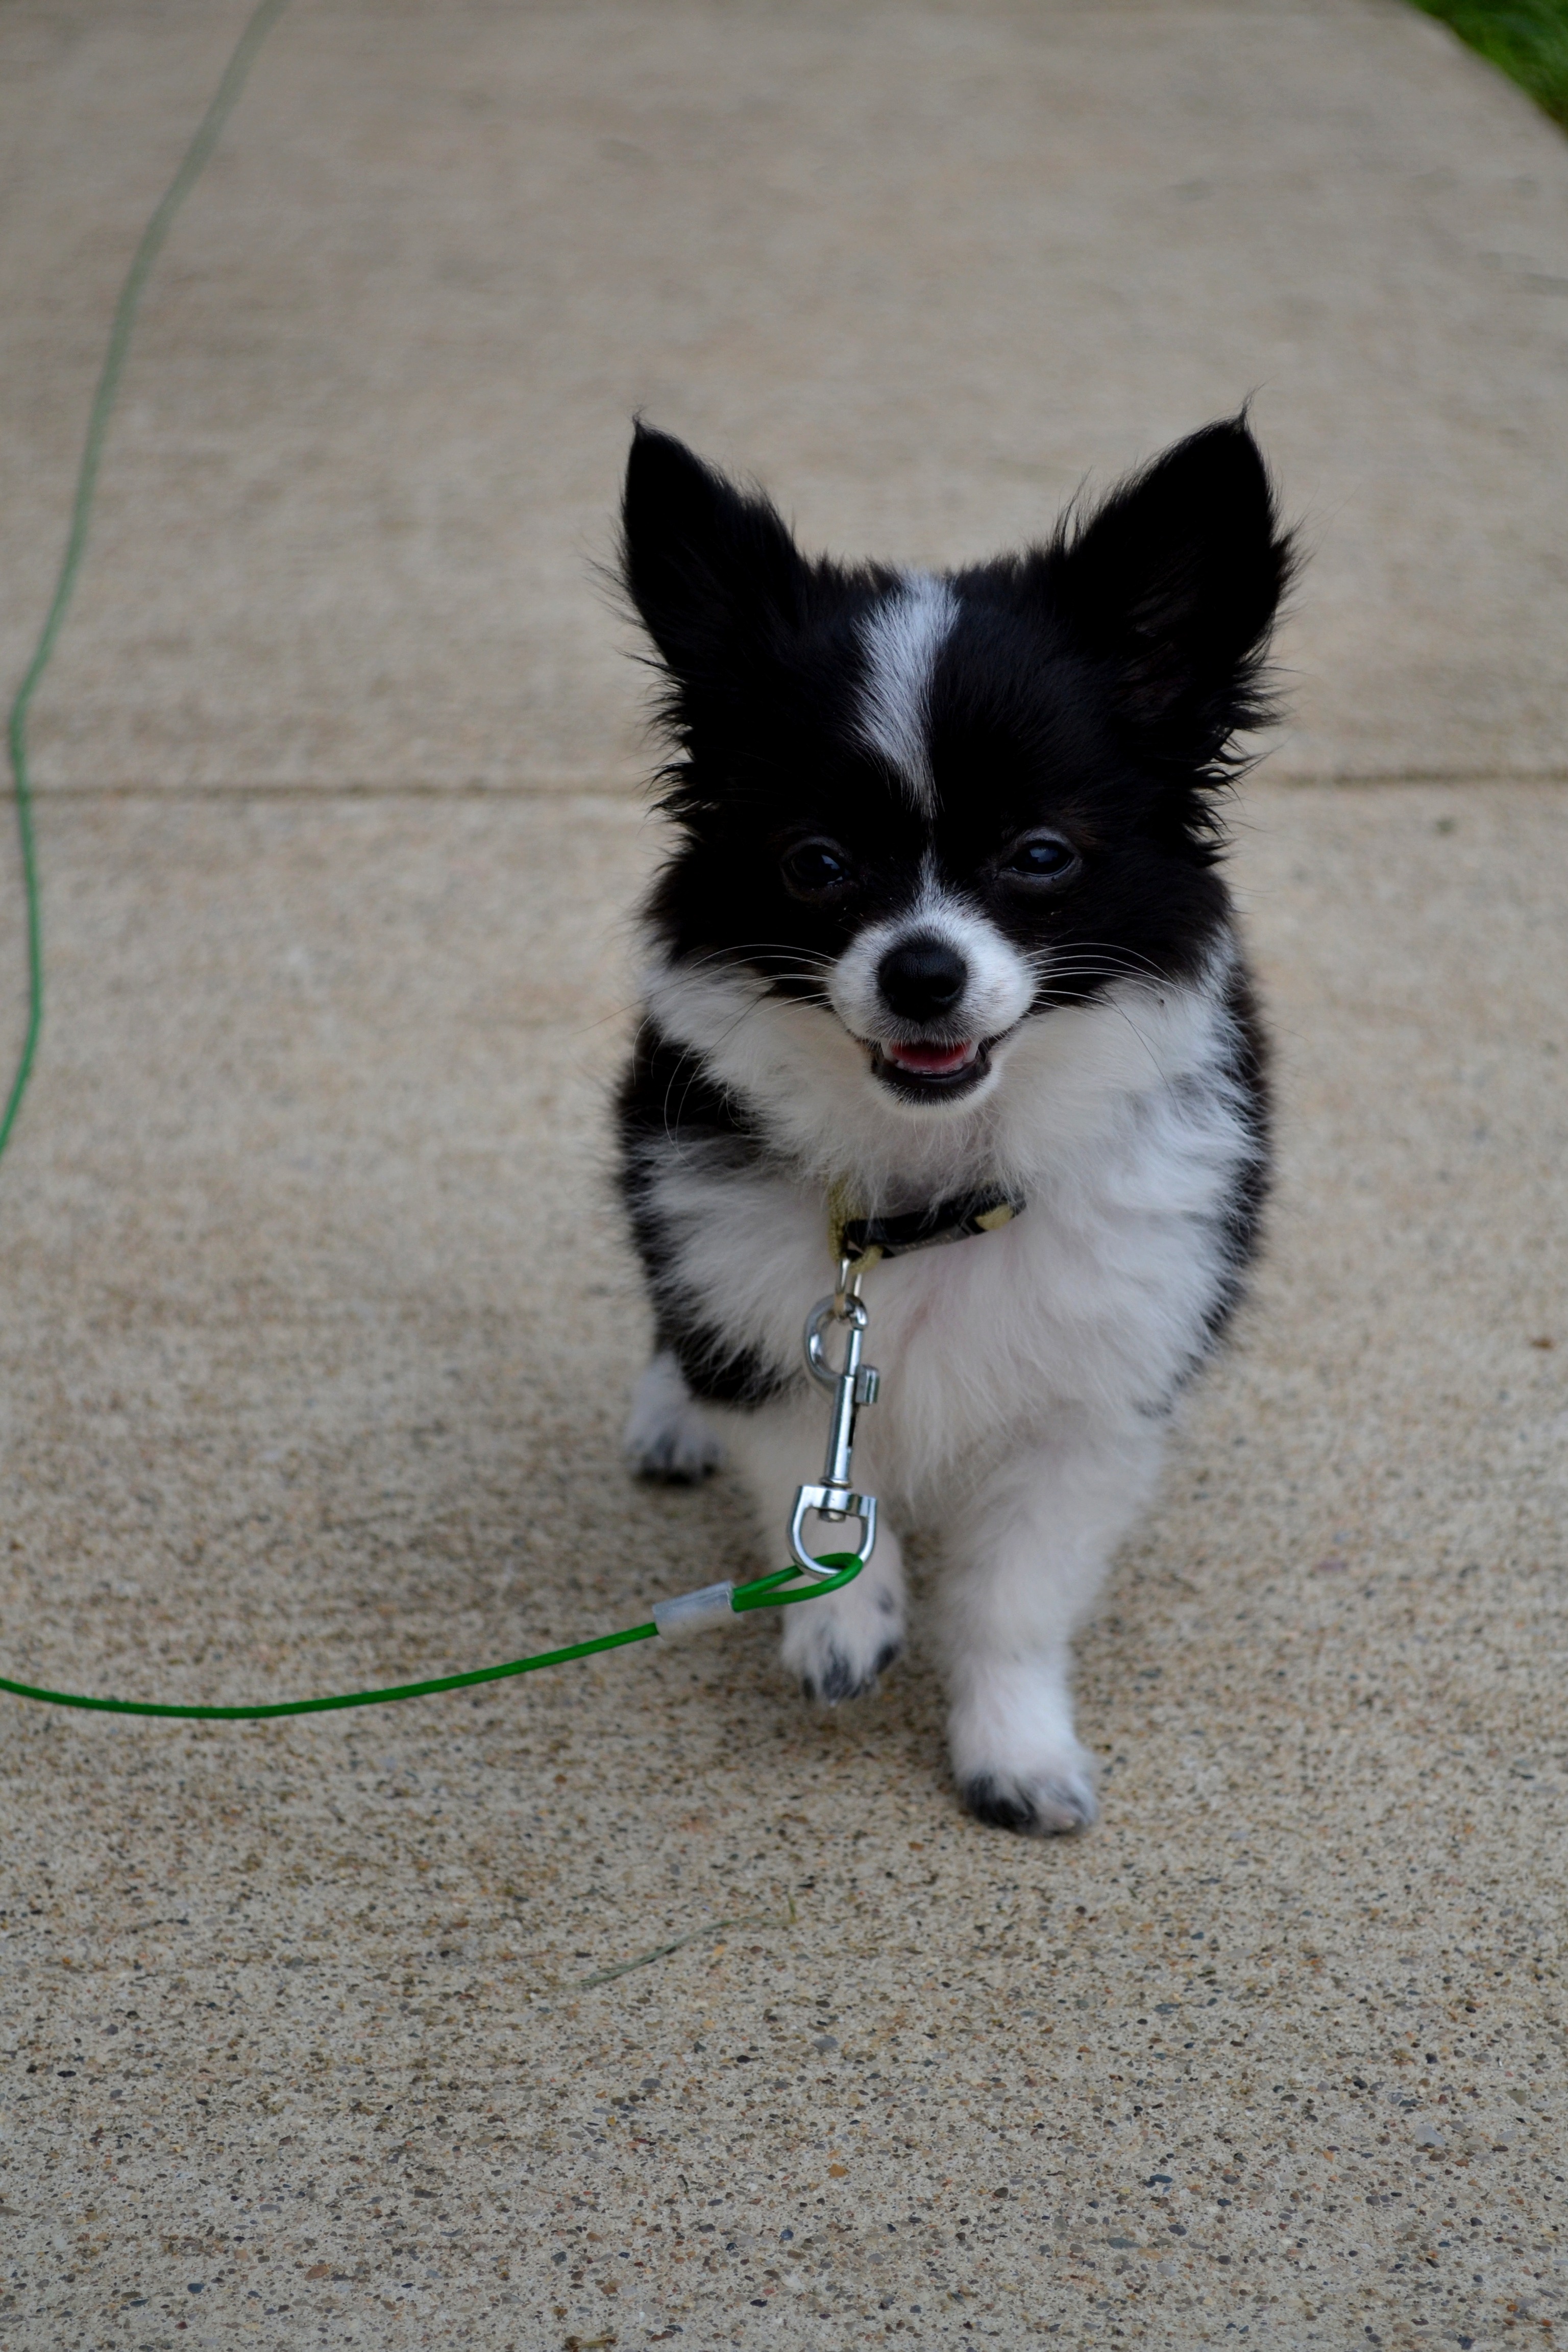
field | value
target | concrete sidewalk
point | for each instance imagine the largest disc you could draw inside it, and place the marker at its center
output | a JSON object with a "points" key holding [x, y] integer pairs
{"points": [[639, 2004], [924, 269]]}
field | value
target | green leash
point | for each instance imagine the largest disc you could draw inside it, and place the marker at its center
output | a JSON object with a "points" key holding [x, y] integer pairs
{"points": [[688, 1611]]}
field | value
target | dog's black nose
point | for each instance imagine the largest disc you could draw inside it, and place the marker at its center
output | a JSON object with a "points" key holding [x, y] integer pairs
{"points": [[922, 978]]}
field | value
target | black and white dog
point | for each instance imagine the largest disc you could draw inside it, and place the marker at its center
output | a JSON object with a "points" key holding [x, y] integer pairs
{"points": [[942, 916]]}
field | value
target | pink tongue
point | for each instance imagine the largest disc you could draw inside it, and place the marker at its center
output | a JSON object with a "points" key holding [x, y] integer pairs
{"points": [[932, 1061]]}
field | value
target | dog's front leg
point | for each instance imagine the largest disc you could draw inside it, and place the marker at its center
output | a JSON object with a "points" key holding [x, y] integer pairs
{"points": [[1026, 1565], [836, 1646]]}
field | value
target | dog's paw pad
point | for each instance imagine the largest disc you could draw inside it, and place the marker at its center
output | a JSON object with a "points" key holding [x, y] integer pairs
{"points": [[1047, 1807], [834, 1677]]}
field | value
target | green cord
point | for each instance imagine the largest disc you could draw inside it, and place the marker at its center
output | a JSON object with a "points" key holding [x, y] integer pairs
{"points": [[338, 1698], [774, 1592], [259, 25], [762, 1593]]}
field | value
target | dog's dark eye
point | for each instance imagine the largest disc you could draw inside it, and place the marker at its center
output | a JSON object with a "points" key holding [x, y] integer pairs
{"points": [[816, 870], [1042, 858]]}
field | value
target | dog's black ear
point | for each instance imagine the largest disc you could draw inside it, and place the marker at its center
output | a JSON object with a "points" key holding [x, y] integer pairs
{"points": [[1174, 583], [705, 565]]}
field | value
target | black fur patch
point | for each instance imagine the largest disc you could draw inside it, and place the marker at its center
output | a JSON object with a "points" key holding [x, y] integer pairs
{"points": [[666, 1097], [838, 1680], [1011, 1809], [1249, 1075]]}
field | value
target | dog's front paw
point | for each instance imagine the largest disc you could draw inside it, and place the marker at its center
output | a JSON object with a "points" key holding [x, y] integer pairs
{"points": [[667, 1436], [1016, 1762], [838, 1646], [833, 1669], [1047, 1806]]}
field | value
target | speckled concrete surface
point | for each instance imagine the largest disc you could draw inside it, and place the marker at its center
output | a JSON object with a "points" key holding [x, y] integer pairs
{"points": [[923, 267], [640, 2004], [317, 1336]]}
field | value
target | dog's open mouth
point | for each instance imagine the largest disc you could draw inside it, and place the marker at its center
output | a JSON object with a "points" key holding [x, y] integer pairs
{"points": [[926, 1068]]}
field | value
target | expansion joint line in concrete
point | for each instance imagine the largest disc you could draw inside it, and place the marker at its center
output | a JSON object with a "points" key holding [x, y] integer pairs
{"points": [[325, 790]]}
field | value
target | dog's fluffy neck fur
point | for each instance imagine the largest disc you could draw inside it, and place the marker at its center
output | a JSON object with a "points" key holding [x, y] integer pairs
{"points": [[1066, 1086]]}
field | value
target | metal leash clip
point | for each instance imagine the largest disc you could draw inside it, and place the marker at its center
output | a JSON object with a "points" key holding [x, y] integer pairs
{"points": [[852, 1385]]}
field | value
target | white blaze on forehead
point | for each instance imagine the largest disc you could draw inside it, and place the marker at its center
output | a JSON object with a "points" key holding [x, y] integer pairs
{"points": [[902, 638]]}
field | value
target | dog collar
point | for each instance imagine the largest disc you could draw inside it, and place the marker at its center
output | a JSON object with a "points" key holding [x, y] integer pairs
{"points": [[859, 1242]]}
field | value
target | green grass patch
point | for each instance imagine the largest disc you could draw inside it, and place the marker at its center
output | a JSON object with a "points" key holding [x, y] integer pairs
{"points": [[1528, 39]]}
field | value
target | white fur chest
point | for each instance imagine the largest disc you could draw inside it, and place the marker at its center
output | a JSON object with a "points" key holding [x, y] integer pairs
{"points": [[1121, 1125]]}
